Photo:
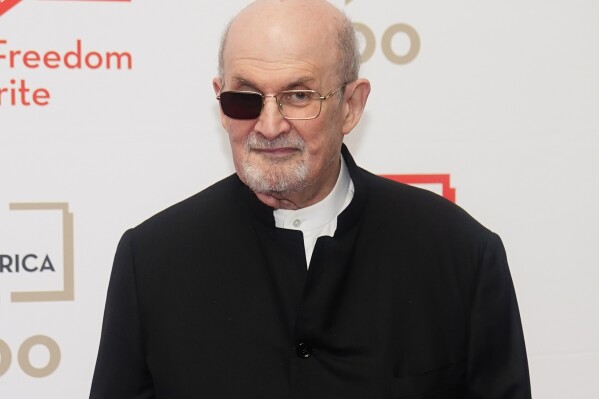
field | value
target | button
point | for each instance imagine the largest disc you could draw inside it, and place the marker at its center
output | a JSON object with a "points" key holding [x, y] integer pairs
{"points": [[297, 223], [303, 350]]}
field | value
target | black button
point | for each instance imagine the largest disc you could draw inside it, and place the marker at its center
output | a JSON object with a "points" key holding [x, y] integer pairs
{"points": [[303, 350]]}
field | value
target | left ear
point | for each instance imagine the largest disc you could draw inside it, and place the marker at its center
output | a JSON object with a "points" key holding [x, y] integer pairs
{"points": [[355, 96]]}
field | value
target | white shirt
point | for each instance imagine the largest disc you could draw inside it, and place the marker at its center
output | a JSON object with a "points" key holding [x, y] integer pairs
{"points": [[319, 219]]}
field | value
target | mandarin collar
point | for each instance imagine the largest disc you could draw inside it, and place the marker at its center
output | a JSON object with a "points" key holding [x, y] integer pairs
{"points": [[318, 215], [346, 220]]}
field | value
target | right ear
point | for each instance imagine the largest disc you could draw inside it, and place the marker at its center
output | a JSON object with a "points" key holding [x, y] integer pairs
{"points": [[217, 85]]}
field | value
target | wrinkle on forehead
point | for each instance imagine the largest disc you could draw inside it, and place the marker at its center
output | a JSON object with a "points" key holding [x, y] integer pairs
{"points": [[242, 81], [282, 74], [275, 76], [304, 66]]}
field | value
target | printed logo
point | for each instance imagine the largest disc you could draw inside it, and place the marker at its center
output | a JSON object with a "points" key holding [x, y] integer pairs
{"points": [[36, 265], [6, 5], [439, 184], [23, 263], [400, 42]]}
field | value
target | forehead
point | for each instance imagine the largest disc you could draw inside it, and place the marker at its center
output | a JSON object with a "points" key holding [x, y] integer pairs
{"points": [[275, 47], [274, 75]]}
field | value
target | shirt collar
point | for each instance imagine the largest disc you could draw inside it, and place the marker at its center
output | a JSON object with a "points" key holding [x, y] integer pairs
{"points": [[316, 216]]}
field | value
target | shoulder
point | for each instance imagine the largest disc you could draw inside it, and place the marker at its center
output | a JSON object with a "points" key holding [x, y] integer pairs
{"points": [[417, 209], [210, 207], [397, 205]]}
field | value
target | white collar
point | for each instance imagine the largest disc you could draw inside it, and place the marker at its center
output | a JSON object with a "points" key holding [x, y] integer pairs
{"points": [[314, 218]]}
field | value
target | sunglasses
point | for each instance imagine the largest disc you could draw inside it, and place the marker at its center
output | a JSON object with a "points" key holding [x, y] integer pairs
{"points": [[292, 104]]}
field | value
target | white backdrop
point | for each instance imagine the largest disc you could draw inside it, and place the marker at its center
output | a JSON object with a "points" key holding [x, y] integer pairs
{"points": [[502, 97]]}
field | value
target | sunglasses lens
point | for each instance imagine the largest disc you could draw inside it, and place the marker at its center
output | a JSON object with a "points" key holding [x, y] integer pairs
{"points": [[241, 105]]}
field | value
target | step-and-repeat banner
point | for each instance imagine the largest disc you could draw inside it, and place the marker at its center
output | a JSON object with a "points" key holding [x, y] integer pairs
{"points": [[107, 115]]}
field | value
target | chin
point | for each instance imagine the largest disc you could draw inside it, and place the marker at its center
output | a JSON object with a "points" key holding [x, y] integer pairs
{"points": [[274, 179]]}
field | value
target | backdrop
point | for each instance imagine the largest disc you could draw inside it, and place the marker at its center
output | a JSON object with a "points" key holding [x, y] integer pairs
{"points": [[107, 116]]}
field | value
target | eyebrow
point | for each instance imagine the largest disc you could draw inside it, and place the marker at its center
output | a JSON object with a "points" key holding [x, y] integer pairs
{"points": [[299, 82], [248, 83], [244, 82]]}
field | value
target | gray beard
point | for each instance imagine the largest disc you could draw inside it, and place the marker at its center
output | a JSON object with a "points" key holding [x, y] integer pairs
{"points": [[279, 179], [275, 179]]}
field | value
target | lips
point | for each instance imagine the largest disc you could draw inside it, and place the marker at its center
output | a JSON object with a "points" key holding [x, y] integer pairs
{"points": [[281, 146], [278, 154]]}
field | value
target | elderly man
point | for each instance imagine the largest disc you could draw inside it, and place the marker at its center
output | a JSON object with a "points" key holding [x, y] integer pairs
{"points": [[302, 275]]}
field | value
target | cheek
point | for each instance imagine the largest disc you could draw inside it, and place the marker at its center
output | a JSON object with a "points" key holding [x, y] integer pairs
{"points": [[323, 139], [238, 131]]}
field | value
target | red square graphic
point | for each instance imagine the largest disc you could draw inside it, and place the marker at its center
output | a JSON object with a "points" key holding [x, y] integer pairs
{"points": [[447, 191]]}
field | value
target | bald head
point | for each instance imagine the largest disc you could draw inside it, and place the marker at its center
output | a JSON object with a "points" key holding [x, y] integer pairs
{"points": [[316, 24], [281, 60]]}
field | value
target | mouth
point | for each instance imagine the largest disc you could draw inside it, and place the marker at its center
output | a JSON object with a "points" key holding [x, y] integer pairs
{"points": [[277, 152], [280, 149]]}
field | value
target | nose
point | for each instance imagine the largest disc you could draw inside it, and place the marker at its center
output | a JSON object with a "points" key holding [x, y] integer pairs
{"points": [[271, 123]]}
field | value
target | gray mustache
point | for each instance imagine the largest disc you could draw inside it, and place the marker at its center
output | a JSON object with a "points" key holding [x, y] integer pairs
{"points": [[255, 141]]}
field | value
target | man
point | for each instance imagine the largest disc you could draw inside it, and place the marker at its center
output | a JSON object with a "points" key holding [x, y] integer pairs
{"points": [[302, 275]]}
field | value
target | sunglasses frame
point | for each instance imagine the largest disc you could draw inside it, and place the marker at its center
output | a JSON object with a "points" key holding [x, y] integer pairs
{"points": [[279, 103]]}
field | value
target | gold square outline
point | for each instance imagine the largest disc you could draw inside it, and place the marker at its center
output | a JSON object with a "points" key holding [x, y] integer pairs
{"points": [[68, 248]]}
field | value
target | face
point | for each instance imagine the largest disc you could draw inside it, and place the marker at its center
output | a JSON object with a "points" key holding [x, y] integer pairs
{"points": [[273, 155]]}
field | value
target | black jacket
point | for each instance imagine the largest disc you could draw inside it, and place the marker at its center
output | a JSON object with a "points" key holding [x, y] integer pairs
{"points": [[412, 298]]}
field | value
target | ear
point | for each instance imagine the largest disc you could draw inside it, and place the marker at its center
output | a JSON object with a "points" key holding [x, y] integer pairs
{"points": [[356, 94], [217, 86]]}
